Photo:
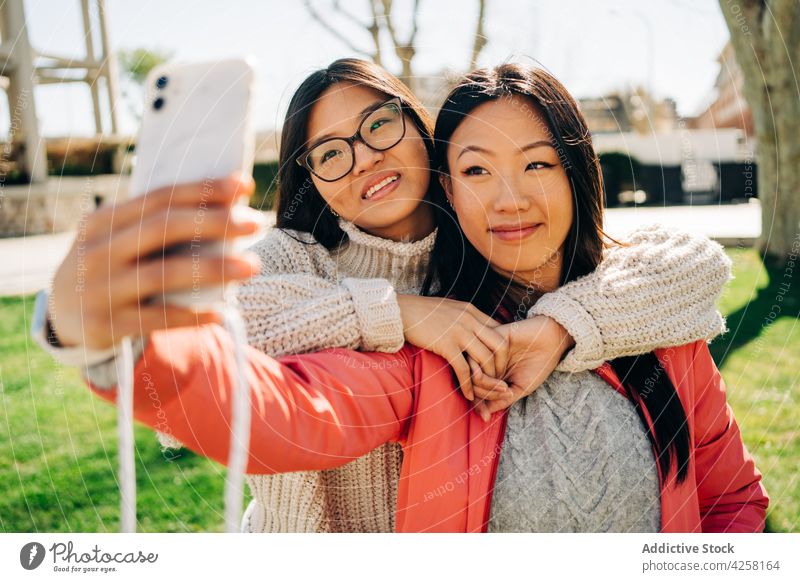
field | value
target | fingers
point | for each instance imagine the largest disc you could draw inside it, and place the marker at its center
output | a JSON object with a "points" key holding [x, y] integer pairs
{"points": [[483, 410], [175, 226], [485, 387], [476, 350], [492, 393], [180, 273], [484, 344], [493, 406], [461, 369], [498, 345], [222, 192], [486, 408]]}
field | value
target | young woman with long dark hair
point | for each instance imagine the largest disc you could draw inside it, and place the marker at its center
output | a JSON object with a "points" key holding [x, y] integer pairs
{"points": [[331, 281]]}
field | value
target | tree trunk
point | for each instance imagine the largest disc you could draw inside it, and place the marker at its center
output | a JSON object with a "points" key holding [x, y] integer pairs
{"points": [[406, 55], [480, 40], [765, 35], [779, 173]]}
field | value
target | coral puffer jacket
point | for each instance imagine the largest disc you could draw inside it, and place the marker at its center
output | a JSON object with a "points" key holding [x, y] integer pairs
{"points": [[321, 410]]}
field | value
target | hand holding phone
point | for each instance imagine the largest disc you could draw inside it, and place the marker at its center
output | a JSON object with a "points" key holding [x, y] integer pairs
{"points": [[104, 287]]}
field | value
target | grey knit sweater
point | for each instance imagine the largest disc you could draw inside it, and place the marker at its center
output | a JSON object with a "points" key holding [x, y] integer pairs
{"points": [[657, 292], [575, 458]]}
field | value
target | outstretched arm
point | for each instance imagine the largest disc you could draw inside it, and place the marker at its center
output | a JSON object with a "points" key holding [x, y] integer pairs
{"points": [[309, 412], [288, 308]]}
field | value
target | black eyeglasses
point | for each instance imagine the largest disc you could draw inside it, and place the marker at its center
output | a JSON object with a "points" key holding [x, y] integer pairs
{"points": [[381, 129]]}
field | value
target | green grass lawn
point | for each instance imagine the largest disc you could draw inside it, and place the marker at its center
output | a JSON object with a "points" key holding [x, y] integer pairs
{"points": [[58, 454], [759, 359]]}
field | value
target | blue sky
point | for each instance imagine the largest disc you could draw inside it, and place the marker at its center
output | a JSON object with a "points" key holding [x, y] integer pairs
{"points": [[593, 47]]}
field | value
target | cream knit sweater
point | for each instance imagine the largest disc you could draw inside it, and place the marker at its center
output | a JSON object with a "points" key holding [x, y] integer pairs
{"points": [[306, 299], [659, 291]]}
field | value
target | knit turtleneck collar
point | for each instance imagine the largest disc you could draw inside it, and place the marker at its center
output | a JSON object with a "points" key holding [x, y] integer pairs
{"points": [[400, 249], [366, 256]]}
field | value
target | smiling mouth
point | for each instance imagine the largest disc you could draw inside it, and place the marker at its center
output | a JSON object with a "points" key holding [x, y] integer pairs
{"points": [[381, 188], [512, 233]]}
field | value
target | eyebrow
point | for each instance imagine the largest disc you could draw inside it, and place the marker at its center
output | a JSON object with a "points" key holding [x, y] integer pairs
{"points": [[368, 109], [530, 146]]}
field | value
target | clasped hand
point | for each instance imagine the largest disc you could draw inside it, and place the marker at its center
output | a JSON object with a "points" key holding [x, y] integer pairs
{"points": [[495, 365]]}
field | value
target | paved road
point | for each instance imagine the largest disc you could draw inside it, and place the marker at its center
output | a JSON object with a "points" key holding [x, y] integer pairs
{"points": [[27, 264]]}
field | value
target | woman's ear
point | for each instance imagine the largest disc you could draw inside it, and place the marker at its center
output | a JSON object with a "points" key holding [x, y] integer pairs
{"points": [[447, 186]]}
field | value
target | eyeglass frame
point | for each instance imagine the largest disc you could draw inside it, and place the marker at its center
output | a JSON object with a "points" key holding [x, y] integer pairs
{"points": [[302, 159]]}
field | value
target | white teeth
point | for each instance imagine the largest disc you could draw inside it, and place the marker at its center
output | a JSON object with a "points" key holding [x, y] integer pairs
{"points": [[379, 185]]}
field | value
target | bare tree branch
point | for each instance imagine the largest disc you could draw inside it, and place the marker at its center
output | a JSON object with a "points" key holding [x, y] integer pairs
{"points": [[382, 19], [329, 27], [350, 16], [387, 20], [405, 51], [480, 36], [375, 31], [414, 24]]}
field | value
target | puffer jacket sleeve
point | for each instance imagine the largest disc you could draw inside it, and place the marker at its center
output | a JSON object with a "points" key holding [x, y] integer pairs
{"points": [[292, 307], [309, 412], [731, 494]]}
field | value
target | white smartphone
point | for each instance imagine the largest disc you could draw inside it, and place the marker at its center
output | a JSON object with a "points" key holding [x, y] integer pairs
{"points": [[197, 126]]}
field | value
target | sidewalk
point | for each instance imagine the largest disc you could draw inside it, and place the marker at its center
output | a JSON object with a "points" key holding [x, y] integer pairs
{"points": [[730, 224], [28, 263]]}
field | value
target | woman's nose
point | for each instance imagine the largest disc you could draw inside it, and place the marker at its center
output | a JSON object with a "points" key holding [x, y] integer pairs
{"points": [[510, 197], [365, 158]]}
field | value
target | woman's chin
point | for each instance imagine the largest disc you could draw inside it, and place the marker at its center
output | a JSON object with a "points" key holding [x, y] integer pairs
{"points": [[384, 214], [521, 268]]}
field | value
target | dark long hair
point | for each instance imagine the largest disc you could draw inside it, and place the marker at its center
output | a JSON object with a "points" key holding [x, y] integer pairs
{"points": [[472, 279], [299, 204]]}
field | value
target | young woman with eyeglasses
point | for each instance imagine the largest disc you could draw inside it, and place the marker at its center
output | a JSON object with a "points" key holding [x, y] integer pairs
{"points": [[344, 268]]}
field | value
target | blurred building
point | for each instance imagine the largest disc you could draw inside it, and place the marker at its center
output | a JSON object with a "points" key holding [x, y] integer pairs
{"points": [[676, 167], [629, 111], [728, 108], [649, 154]]}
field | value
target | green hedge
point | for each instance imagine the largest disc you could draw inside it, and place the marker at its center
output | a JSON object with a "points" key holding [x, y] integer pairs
{"points": [[265, 176]]}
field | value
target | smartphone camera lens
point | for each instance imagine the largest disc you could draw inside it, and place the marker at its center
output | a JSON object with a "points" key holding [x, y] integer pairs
{"points": [[158, 103], [161, 82]]}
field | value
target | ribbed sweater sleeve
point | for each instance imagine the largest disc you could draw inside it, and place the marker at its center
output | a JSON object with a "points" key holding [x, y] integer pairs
{"points": [[658, 290], [291, 307]]}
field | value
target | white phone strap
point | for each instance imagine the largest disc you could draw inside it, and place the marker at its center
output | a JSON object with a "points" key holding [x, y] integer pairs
{"points": [[240, 430], [127, 467]]}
